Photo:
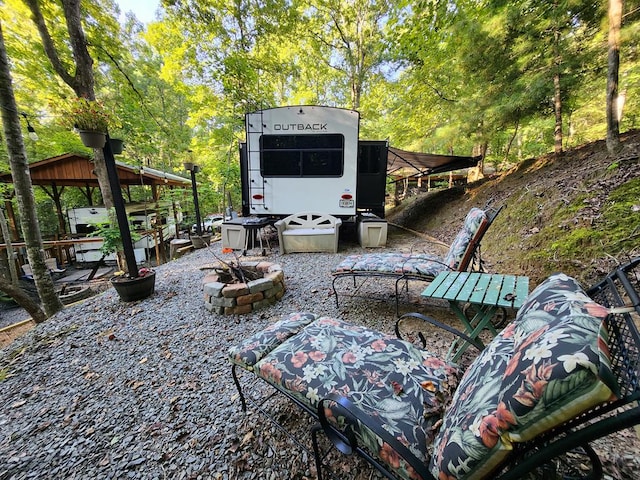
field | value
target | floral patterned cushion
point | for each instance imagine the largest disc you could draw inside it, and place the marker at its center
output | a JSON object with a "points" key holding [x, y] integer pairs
{"points": [[251, 350], [475, 219], [393, 264], [404, 388], [558, 295], [546, 367], [417, 264]]}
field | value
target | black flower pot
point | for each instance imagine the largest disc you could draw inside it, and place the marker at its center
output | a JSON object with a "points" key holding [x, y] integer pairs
{"points": [[131, 289], [93, 139], [117, 145]]}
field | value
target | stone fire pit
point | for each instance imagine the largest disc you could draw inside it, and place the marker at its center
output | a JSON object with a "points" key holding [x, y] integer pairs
{"points": [[238, 298]]}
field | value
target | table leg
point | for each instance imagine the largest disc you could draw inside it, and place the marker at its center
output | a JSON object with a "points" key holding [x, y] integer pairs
{"points": [[458, 346], [473, 327], [482, 320], [499, 320]]}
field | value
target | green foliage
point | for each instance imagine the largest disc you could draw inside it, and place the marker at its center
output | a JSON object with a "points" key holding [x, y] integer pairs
{"points": [[578, 229], [45, 209], [89, 115], [428, 76], [621, 216], [111, 235], [617, 231]]}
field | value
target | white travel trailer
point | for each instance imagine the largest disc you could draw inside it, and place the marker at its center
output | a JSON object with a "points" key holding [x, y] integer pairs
{"points": [[300, 158], [83, 221], [309, 159]]}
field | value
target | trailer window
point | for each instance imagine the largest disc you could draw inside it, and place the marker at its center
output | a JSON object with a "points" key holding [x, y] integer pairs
{"points": [[302, 155], [370, 158]]}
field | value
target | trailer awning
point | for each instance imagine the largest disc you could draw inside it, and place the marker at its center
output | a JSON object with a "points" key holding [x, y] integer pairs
{"points": [[426, 163]]}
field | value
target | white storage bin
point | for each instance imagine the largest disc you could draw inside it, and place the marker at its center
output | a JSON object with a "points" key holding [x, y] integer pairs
{"points": [[233, 235], [372, 232]]}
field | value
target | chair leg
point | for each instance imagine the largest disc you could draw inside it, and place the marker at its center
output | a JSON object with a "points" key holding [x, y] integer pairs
{"points": [[316, 449], [235, 380], [398, 295], [335, 292]]}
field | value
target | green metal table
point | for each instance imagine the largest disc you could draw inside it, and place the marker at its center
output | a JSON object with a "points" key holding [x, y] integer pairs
{"points": [[488, 292]]}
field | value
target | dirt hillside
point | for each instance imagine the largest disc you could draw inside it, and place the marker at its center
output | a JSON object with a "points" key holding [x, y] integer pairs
{"points": [[579, 214]]}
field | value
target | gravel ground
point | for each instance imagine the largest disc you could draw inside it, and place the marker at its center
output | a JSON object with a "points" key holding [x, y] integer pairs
{"points": [[106, 389], [143, 390]]}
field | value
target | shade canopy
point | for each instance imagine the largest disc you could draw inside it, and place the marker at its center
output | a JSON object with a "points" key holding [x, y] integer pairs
{"points": [[72, 169], [426, 163]]}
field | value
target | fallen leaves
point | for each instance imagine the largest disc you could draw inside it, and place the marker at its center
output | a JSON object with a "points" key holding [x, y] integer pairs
{"points": [[135, 384]]}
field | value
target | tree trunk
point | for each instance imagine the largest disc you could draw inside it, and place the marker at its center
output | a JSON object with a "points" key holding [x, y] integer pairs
{"points": [[11, 218], [23, 188], [557, 131], [513, 137], [6, 236], [613, 118], [557, 93], [23, 300], [56, 196], [82, 81]]}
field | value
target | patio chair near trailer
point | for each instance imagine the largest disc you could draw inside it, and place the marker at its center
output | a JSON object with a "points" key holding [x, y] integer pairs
{"points": [[463, 255], [563, 374], [52, 267]]}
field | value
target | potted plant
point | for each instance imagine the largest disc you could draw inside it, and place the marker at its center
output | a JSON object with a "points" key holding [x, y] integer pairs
{"points": [[117, 145], [91, 120], [129, 288]]}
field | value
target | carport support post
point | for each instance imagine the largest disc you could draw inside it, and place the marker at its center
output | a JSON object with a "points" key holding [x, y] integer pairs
{"points": [[121, 213], [189, 166]]}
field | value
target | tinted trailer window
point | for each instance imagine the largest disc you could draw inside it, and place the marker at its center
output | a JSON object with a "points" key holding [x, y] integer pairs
{"points": [[302, 155], [372, 175]]}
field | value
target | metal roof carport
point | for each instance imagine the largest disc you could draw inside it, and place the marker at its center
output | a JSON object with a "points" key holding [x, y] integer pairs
{"points": [[72, 169]]}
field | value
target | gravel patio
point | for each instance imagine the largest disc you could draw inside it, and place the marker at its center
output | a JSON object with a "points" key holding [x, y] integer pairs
{"points": [[107, 389]]}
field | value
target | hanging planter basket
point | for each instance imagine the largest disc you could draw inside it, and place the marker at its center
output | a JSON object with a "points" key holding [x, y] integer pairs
{"points": [[93, 139], [117, 145]]}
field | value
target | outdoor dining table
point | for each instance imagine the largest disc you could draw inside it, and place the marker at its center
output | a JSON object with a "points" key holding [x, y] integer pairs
{"points": [[487, 292]]}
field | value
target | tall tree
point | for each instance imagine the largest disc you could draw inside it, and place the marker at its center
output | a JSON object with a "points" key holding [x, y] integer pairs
{"points": [[24, 191], [613, 123], [78, 76], [349, 37], [499, 65]]}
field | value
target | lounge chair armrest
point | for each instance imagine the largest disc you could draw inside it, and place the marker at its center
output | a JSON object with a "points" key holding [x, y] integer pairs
{"points": [[345, 441], [354, 418], [443, 326]]}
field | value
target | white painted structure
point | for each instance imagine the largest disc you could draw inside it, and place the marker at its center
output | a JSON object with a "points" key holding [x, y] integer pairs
{"points": [[82, 221], [300, 159]]}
